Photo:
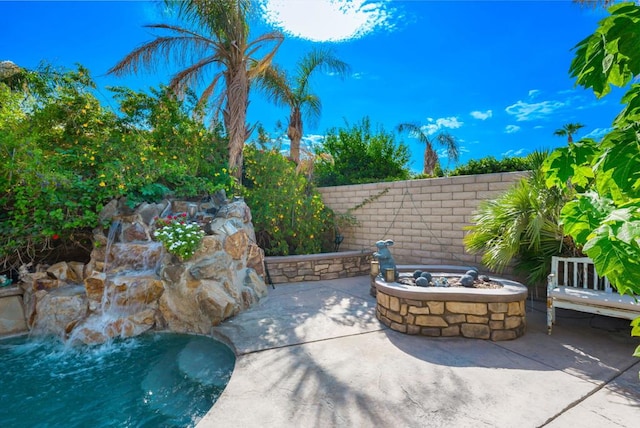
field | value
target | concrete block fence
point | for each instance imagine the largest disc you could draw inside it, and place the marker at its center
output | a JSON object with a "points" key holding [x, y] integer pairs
{"points": [[425, 218]]}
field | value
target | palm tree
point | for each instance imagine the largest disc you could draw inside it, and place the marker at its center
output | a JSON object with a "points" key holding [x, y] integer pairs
{"points": [[444, 139], [221, 42], [522, 225], [568, 130], [295, 93]]}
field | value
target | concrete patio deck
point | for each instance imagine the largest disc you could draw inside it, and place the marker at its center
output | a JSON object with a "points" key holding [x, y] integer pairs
{"points": [[314, 355]]}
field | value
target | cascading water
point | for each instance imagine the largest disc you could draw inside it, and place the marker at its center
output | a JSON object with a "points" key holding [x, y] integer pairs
{"points": [[111, 237], [129, 285]]}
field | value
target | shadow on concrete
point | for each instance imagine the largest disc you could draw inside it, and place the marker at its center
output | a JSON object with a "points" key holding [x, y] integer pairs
{"points": [[591, 347], [315, 355]]}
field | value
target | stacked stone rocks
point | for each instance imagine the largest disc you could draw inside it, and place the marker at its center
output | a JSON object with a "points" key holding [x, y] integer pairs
{"points": [[429, 317], [133, 284]]}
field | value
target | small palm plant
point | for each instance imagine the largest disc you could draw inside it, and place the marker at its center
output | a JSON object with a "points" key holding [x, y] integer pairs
{"points": [[522, 226]]}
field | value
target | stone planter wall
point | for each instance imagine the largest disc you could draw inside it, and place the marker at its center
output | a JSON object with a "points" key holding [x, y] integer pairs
{"points": [[445, 313], [12, 319], [316, 267]]}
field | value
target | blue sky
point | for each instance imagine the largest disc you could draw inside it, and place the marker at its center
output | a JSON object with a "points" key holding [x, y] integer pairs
{"points": [[494, 74]]}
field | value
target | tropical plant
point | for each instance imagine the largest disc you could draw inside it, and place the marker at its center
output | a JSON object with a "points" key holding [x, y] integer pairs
{"points": [[358, 154], [604, 216], [568, 131], [430, 155], [295, 93], [221, 41], [521, 226]]}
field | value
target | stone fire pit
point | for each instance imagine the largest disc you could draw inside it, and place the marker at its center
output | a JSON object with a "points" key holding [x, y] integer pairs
{"points": [[478, 313]]}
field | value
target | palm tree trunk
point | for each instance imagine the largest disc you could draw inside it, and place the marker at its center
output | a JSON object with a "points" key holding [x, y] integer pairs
{"points": [[430, 160], [294, 132], [234, 115]]}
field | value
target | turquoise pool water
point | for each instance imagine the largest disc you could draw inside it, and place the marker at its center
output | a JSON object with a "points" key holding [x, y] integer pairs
{"points": [[155, 380]]}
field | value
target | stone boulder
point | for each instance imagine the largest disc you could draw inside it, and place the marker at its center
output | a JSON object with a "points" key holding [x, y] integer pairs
{"points": [[132, 284]]}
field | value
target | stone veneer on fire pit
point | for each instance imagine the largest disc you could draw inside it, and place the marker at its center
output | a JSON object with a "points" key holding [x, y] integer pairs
{"points": [[495, 314]]}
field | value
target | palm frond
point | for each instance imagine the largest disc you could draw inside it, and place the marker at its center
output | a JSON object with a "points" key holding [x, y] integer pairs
{"points": [[414, 130], [273, 83], [311, 106], [451, 145], [192, 75], [181, 48]]}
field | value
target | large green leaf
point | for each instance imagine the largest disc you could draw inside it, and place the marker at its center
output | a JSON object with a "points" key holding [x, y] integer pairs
{"points": [[610, 55], [631, 113], [571, 164], [619, 168], [584, 214], [615, 259]]}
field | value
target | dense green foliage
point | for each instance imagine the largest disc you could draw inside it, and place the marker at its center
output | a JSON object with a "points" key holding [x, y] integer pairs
{"points": [[63, 156], [521, 226], [490, 165], [604, 215], [288, 214], [359, 154]]}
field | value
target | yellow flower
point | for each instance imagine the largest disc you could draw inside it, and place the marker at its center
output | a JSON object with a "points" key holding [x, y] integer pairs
{"points": [[102, 184], [92, 158], [120, 186]]}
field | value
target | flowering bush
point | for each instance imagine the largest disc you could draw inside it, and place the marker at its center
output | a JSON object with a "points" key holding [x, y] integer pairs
{"points": [[180, 238], [289, 216]]}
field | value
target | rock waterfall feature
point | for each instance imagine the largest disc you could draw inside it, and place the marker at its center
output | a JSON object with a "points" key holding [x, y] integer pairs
{"points": [[133, 284]]}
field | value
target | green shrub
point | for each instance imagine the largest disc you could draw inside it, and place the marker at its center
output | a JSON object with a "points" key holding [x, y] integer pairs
{"points": [[357, 154], [490, 165], [63, 156], [289, 216]]}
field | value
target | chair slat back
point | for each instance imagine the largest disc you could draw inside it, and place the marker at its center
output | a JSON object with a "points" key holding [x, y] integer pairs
{"points": [[578, 272]]}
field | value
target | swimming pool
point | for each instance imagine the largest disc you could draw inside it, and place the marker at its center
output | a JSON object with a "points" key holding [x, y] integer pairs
{"points": [[153, 380]]}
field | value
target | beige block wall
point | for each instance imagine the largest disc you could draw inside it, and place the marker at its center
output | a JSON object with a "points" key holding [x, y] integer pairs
{"points": [[425, 218]]}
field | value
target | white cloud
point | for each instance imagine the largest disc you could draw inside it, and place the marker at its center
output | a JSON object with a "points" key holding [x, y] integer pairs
{"points": [[530, 111], [311, 140], [329, 20], [481, 115], [598, 133], [510, 129], [534, 93], [442, 153], [436, 125], [513, 153]]}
